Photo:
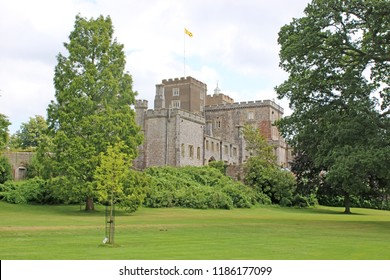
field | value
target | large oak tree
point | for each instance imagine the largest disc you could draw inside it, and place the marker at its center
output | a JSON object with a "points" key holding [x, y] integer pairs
{"points": [[92, 108], [338, 60]]}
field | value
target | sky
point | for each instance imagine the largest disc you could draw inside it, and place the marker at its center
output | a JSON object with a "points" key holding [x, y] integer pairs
{"points": [[234, 45]]}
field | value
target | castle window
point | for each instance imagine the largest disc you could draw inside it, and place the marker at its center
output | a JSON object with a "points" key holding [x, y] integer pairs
{"points": [[198, 153], [218, 124], [226, 149], [251, 115], [234, 151], [207, 145], [175, 92], [183, 150], [212, 146], [176, 104], [191, 151]]}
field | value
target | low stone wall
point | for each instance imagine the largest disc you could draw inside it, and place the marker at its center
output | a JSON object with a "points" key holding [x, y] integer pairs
{"points": [[19, 162]]}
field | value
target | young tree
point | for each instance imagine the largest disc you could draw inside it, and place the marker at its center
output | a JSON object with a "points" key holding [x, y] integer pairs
{"points": [[117, 184], [110, 176], [337, 57], [92, 108]]}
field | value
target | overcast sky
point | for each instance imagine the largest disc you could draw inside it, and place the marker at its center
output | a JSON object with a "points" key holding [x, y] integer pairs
{"points": [[234, 44]]}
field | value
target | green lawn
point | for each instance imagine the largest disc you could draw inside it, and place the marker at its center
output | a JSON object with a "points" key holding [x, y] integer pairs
{"points": [[64, 232]]}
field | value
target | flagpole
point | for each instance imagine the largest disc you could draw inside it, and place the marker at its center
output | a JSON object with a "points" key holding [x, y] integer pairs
{"points": [[184, 58]]}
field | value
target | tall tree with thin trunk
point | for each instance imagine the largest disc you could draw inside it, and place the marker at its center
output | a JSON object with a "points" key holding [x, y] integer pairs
{"points": [[92, 108]]}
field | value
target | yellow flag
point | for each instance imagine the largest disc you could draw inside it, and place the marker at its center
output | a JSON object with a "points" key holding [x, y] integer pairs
{"points": [[187, 32]]}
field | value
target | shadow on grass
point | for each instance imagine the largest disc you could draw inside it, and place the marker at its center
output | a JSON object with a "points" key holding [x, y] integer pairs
{"points": [[332, 211]]}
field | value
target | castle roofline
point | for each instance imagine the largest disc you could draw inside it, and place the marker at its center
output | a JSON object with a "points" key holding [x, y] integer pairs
{"points": [[245, 104], [187, 79]]}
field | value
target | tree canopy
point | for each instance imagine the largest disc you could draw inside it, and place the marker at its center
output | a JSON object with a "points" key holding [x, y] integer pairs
{"points": [[31, 133], [92, 108], [338, 60]]}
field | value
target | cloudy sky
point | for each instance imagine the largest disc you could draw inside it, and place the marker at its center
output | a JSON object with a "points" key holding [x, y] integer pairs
{"points": [[234, 44]]}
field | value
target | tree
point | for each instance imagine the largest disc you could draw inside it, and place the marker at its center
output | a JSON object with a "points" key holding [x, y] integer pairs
{"points": [[337, 57], [5, 169], [92, 108], [257, 145], [117, 184], [4, 123], [261, 171], [31, 134], [110, 176]]}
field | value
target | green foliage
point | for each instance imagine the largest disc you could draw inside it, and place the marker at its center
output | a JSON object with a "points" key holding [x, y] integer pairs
{"points": [[5, 170], [31, 134], [197, 187], [116, 183], [27, 192], [269, 179], [4, 123], [220, 165], [257, 145], [338, 64], [92, 108], [135, 188], [262, 173]]}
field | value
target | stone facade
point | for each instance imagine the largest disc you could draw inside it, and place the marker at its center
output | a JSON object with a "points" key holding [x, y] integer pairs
{"points": [[189, 127]]}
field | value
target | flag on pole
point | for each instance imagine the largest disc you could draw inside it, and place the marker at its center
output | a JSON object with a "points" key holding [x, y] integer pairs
{"points": [[186, 31]]}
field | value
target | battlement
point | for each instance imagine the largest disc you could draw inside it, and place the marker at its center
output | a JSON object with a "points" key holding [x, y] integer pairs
{"points": [[141, 104], [183, 80], [245, 104], [218, 99], [168, 113]]}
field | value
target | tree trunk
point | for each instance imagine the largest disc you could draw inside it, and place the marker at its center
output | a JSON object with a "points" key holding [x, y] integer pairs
{"points": [[89, 206], [347, 204]]}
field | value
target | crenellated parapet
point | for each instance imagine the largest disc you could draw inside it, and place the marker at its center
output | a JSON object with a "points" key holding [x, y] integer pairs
{"points": [[245, 104], [141, 104]]}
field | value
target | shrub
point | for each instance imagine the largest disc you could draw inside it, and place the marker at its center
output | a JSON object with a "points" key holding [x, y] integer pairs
{"points": [[196, 187], [28, 191], [279, 185]]}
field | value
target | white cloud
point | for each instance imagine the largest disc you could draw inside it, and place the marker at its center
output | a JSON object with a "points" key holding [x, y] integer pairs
{"points": [[235, 43]]}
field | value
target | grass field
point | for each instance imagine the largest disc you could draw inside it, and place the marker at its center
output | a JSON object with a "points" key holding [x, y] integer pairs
{"points": [[64, 232]]}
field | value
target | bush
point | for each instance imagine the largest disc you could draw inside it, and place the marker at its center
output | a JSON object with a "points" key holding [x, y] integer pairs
{"points": [[28, 191], [196, 187], [279, 185]]}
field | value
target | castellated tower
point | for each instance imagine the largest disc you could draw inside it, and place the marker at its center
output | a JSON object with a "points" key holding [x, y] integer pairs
{"points": [[159, 99], [140, 108], [185, 93]]}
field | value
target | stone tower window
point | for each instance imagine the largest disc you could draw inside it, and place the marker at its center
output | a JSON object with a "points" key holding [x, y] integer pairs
{"points": [[183, 150], [175, 92], [176, 104], [191, 151]]}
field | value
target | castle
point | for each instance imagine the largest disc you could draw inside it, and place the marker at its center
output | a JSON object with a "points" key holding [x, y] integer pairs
{"points": [[189, 127]]}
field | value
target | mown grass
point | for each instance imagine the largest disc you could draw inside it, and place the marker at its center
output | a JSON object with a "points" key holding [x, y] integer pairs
{"points": [[64, 232]]}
